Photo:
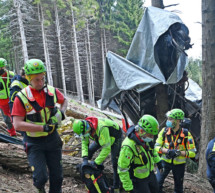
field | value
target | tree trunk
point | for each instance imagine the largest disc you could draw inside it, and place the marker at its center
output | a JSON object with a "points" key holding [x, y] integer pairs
{"points": [[22, 31], [13, 157], [161, 103], [45, 46], [103, 49], [161, 91], [60, 48], [75, 114], [208, 85], [77, 62], [103, 55], [90, 68]]}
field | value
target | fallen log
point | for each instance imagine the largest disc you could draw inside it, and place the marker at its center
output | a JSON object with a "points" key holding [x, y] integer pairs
{"points": [[14, 158], [75, 114]]}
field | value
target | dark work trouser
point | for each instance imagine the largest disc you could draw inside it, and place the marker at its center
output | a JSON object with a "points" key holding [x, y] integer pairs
{"points": [[212, 182], [45, 158], [146, 185], [178, 175], [211, 175], [115, 149]]}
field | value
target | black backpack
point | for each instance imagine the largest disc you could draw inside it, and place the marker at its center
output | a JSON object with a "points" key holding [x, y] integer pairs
{"points": [[94, 179]]}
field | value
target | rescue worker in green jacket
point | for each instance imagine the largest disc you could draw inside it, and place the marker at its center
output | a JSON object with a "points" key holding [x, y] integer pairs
{"points": [[176, 144], [5, 81], [106, 135], [17, 84], [138, 157], [35, 113]]}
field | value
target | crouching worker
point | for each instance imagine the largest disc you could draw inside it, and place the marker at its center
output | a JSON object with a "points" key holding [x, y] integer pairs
{"points": [[137, 157], [210, 158], [106, 135], [176, 144], [34, 112]]}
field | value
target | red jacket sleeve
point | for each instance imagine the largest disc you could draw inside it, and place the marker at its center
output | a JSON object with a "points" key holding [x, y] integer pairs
{"points": [[60, 97], [18, 108]]}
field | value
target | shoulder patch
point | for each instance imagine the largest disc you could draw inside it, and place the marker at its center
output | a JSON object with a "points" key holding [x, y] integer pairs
{"points": [[28, 108]]}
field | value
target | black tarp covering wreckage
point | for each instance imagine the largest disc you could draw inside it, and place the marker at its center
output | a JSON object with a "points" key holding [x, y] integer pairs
{"points": [[156, 56]]}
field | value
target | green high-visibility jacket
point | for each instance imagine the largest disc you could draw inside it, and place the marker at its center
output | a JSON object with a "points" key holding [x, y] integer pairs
{"points": [[5, 92], [162, 141], [106, 133], [132, 160]]}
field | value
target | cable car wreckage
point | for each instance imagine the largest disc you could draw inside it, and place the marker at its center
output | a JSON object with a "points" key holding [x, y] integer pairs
{"points": [[156, 56]]}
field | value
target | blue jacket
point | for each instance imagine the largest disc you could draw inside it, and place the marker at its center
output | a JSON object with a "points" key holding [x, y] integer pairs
{"points": [[210, 158]]}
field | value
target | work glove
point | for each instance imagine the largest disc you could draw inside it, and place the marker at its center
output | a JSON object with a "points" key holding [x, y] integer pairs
{"points": [[173, 153], [58, 116], [85, 160], [160, 166], [50, 128], [96, 166]]}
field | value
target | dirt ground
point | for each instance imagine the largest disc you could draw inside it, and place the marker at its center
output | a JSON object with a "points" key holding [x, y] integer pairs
{"points": [[11, 182]]}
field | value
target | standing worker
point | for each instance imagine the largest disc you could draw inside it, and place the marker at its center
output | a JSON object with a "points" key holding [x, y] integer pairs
{"points": [[210, 158], [35, 113], [17, 84], [176, 144], [106, 135], [5, 80], [137, 157]]}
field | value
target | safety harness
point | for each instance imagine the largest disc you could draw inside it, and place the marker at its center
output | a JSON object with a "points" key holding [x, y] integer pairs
{"points": [[141, 155], [182, 136]]}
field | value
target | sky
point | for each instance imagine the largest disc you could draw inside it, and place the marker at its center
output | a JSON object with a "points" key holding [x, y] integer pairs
{"points": [[190, 14]]}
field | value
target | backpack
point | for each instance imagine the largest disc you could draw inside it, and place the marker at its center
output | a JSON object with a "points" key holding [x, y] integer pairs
{"points": [[94, 179]]}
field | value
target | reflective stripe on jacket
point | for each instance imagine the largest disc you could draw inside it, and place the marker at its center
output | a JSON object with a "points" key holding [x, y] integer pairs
{"points": [[105, 134], [19, 84], [35, 113], [135, 161], [5, 92], [163, 142]]}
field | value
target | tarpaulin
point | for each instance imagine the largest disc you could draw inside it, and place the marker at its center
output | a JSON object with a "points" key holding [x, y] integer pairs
{"points": [[141, 69]]}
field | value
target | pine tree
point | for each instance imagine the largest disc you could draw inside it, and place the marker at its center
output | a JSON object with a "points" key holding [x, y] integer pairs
{"points": [[194, 69], [124, 20], [6, 44]]}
